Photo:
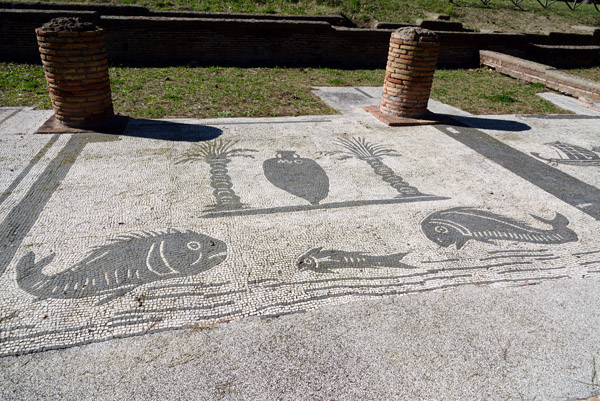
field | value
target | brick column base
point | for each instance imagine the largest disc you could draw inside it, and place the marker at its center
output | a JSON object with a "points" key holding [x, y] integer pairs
{"points": [[409, 73], [76, 71]]}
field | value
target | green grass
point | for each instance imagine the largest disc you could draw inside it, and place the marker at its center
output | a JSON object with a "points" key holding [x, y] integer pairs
{"points": [[498, 14], [227, 92], [587, 73], [484, 91], [263, 92], [23, 85]]}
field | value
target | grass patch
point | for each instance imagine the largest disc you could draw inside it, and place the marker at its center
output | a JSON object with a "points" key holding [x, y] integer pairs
{"points": [[267, 92], [484, 91], [227, 92], [23, 85], [498, 14], [587, 73]]}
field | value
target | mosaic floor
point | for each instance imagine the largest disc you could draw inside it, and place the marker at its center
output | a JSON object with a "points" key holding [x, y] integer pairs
{"points": [[183, 224]]}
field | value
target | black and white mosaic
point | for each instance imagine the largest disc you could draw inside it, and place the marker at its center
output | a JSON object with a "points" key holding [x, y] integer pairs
{"points": [[298, 176], [127, 262], [571, 154], [460, 224], [179, 225]]}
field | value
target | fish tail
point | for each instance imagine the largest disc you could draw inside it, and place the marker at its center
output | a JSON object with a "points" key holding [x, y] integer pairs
{"points": [[29, 274], [559, 226], [396, 259], [392, 260], [558, 221], [397, 256]]}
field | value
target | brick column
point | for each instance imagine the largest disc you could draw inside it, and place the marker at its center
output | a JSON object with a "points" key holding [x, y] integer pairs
{"points": [[76, 71], [409, 73]]}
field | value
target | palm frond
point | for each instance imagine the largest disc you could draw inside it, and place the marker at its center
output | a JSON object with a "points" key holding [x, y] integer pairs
{"points": [[359, 147], [215, 150]]}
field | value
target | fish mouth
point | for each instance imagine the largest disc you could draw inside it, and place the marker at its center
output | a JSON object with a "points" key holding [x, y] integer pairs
{"points": [[222, 255]]}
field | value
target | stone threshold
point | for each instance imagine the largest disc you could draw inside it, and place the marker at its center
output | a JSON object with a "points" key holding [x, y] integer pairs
{"points": [[393, 121], [530, 71], [115, 126]]}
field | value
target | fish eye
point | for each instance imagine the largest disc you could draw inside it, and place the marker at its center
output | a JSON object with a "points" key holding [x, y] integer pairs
{"points": [[441, 229], [307, 261], [194, 246]]}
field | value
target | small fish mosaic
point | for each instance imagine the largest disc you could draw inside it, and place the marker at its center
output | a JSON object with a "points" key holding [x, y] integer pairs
{"points": [[321, 260]]}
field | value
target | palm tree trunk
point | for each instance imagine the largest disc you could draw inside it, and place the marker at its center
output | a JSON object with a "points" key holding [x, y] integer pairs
{"points": [[220, 181], [388, 175]]}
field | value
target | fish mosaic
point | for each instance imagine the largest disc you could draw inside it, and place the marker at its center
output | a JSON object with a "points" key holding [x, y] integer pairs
{"points": [[319, 260], [572, 155], [127, 262], [459, 225], [299, 176]]}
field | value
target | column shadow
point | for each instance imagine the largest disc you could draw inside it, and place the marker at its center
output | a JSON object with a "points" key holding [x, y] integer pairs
{"points": [[170, 130], [488, 123]]}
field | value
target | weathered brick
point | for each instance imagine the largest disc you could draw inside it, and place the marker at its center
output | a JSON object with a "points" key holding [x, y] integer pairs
{"points": [[409, 76], [77, 76]]}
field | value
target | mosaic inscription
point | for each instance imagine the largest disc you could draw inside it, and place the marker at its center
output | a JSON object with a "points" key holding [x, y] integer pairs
{"points": [[459, 225], [128, 262], [572, 154]]}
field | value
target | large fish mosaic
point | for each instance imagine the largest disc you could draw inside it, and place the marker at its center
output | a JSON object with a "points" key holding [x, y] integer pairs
{"points": [[461, 224], [127, 262], [299, 176], [329, 260]]}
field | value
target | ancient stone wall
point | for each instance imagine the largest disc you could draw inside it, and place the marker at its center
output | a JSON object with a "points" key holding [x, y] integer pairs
{"points": [[528, 71], [160, 40]]}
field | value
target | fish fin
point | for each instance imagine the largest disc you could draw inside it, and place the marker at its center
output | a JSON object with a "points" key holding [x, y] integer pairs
{"points": [[310, 252], [460, 242], [487, 240], [330, 254], [133, 236], [25, 265], [397, 256], [315, 250], [558, 221]]}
